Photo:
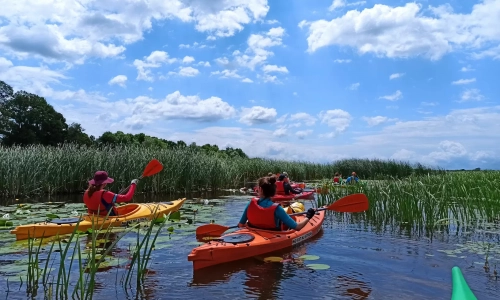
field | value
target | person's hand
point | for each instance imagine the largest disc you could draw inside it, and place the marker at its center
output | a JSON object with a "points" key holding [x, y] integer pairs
{"points": [[310, 213], [135, 181]]}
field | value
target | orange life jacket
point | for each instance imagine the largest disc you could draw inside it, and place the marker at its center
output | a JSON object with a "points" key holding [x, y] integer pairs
{"points": [[97, 203], [280, 189], [261, 217]]}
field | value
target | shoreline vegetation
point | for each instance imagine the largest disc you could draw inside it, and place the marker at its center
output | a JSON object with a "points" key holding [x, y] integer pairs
{"points": [[66, 169]]}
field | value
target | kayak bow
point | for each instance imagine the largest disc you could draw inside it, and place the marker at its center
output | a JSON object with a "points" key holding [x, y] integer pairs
{"points": [[461, 290]]}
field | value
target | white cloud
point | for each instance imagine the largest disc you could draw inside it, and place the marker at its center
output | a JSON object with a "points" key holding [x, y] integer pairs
{"points": [[227, 74], [429, 103], [467, 69], [394, 97], [354, 86], [188, 59], [280, 132], [377, 120], [204, 63], [301, 134], [464, 81], [303, 117], [155, 60], [74, 31], [257, 115], [337, 118], [341, 3], [176, 106], [188, 72], [391, 31], [274, 68], [269, 78], [342, 61], [471, 95], [247, 80], [120, 80], [396, 75]]}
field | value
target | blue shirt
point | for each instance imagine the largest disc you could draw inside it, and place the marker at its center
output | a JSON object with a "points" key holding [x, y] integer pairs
{"points": [[280, 214], [350, 178]]}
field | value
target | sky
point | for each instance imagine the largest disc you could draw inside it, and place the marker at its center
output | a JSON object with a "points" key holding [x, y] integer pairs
{"points": [[298, 80]]}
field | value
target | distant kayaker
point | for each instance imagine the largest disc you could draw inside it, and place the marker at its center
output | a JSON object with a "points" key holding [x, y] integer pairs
{"points": [[283, 186], [337, 179], [352, 179], [263, 213], [97, 199]]}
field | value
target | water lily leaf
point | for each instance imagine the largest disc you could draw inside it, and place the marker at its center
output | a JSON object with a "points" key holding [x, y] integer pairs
{"points": [[52, 216], [273, 259], [175, 216], [318, 266], [309, 257]]}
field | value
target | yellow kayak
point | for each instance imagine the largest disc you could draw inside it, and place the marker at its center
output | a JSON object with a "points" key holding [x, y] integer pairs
{"points": [[134, 212]]}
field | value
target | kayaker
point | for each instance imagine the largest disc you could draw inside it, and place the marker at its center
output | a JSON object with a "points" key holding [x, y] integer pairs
{"points": [[97, 199], [337, 179], [263, 213], [284, 187], [352, 179]]}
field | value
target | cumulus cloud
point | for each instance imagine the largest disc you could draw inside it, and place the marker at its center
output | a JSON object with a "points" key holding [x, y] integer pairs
{"points": [[227, 74], [464, 81], [247, 80], [393, 97], [396, 75], [337, 118], [257, 115], [155, 60], [342, 61], [120, 80], [377, 120], [274, 68], [187, 59], [471, 95], [306, 118], [302, 134], [188, 72], [390, 31], [73, 31]]}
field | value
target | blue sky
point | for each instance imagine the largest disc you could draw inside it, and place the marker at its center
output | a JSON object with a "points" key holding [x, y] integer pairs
{"points": [[301, 80]]}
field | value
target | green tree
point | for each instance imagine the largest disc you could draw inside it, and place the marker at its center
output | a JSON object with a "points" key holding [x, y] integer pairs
{"points": [[77, 135], [29, 119]]}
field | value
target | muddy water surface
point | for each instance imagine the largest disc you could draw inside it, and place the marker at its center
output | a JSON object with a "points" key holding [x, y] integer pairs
{"points": [[363, 264]]}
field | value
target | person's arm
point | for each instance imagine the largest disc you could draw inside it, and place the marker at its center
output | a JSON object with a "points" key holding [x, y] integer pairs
{"points": [[244, 218], [288, 221], [108, 196]]}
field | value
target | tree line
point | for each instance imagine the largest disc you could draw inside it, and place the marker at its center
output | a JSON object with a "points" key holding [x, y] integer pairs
{"points": [[28, 119]]}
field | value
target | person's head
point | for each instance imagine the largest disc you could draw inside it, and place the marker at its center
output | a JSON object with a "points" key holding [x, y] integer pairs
{"points": [[353, 174], [267, 187], [336, 174], [282, 177], [100, 180], [270, 174]]}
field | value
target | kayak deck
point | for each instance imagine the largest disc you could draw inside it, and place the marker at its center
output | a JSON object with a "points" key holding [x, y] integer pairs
{"points": [[252, 242], [136, 212]]}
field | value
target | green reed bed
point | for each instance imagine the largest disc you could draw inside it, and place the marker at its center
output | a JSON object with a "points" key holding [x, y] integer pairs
{"points": [[71, 265], [66, 169], [422, 204]]}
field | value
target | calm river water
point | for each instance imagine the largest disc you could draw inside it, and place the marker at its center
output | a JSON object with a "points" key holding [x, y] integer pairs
{"points": [[363, 265]]}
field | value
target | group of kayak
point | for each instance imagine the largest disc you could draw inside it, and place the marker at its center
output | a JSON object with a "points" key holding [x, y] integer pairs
{"points": [[265, 225]]}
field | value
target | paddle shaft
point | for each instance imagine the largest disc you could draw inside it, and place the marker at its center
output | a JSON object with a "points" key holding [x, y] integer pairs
{"points": [[124, 190], [305, 212]]}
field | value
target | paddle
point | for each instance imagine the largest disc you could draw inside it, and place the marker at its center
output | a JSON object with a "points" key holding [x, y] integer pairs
{"points": [[351, 203], [153, 167]]}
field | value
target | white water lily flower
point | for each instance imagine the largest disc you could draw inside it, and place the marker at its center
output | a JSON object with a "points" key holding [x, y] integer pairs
{"points": [[74, 213], [6, 216], [206, 201]]}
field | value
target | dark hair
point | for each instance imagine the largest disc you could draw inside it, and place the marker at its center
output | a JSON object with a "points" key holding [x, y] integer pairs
{"points": [[268, 186], [337, 174], [93, 188], [270, 174]]}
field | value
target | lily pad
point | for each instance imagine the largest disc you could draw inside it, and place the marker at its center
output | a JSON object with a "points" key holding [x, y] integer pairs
{"points": [[273, 259], [309, 257], [318, 266]]}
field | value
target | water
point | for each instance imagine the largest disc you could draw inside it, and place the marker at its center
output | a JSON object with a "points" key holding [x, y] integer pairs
{"points": [[363, 265]]}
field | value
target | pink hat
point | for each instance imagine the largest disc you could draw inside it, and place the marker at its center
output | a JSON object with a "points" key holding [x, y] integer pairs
{"points": [[101, 177]]}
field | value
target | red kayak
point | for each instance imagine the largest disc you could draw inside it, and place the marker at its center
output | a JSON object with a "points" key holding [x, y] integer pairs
{"points": [[288, 198]]}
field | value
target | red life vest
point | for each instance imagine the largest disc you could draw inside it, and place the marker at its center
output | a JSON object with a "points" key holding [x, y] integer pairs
{"points": [[261, 217], [335, 179], [97, 203], [280, 189]]}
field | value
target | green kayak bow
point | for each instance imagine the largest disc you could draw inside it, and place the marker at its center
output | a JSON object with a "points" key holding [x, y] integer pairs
{"points": [[461, 290]]}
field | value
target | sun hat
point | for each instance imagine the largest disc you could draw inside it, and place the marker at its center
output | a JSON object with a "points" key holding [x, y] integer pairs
{"points": [[101, 177]]}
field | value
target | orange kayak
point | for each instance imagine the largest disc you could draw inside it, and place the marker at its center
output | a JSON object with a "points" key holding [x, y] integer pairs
{"points": [[287, 198], [248, 242], [134, 212]]}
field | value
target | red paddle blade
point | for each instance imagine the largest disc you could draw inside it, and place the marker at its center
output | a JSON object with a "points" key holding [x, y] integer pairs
{"points": [[212, 229], [152, 168], [352, 203]]}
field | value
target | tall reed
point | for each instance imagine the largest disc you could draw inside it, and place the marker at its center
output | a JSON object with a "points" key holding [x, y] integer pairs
{"points": [[66, 169]]}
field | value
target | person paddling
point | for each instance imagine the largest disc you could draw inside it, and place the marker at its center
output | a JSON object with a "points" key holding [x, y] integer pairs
{"points": [[263, 213], [97, 199], [352, 179], [337, 178]]}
